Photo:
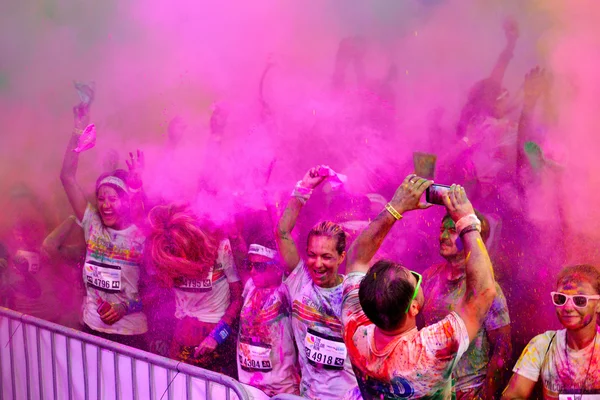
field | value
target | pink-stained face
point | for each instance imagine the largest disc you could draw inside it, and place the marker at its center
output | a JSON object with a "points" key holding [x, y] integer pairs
{"points": [[449, 239], [575, 318], [113, 210], [323, 261]]}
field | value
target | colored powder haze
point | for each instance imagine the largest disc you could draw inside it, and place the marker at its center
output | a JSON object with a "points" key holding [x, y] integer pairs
{"points": [[155, 63]]}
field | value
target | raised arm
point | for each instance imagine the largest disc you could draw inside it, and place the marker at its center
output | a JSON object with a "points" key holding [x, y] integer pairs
{"points": [[137, 197], [481, 290], [511, 31], [406, 198], [533, 86], [68, 171], [54, 244], [283, 231]]}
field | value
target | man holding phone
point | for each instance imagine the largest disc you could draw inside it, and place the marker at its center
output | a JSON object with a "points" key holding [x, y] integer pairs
{"points": [[390, 356], [480, 371]]}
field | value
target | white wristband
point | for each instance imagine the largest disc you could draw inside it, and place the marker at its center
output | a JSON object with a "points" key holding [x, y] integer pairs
{"points": [[467, 220], [301, 193]]}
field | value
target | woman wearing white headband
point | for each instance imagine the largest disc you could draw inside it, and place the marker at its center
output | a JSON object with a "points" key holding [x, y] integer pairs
{"points": [[267, 356], [112, 307]]}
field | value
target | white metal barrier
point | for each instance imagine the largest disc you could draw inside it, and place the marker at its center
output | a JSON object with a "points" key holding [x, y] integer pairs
{"points": [[42, 360]]}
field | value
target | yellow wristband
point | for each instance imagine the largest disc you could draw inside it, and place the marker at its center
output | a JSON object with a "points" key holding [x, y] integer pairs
{"points": [[393, 211]]}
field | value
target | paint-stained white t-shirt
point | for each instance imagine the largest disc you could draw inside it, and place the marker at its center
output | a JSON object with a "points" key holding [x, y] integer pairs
{"points": [[442, 297], [326, 369], [207, 299], [416, 364], [267, 357], [546, 356], [111, 273]]}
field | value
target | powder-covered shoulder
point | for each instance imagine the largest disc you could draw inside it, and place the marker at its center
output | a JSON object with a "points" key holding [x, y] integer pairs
{"points": [[542, 340], [352, 281], [531, 359]]}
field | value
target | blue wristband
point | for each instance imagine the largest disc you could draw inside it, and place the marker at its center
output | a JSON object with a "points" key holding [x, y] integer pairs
{"points": [[133, 305], [221, 332]]}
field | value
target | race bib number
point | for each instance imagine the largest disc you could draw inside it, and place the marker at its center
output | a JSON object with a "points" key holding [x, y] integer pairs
{"points": [[254, 357], [195, 285], [326, 351], [102, 276]]}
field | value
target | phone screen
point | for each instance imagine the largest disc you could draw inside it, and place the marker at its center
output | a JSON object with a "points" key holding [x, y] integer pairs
{"points": [[435, 194]]}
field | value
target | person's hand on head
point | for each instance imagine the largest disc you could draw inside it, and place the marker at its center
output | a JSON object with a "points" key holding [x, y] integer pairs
{"points": [[136, 167], [312, 178], [457, 203], [511, 29], [408, 195]]}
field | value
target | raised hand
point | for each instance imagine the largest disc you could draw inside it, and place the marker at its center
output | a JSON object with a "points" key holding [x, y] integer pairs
{"points": [[408, 195], [81, 116], [312, 178], [536, 81], [457, 203], [511, 29], [136, 168]]}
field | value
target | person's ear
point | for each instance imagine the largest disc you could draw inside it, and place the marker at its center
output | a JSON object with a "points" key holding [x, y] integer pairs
{"points": [[414, 309], [342, 257]]}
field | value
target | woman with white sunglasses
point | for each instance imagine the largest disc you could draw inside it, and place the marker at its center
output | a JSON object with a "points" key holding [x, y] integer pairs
{"points": [[568, 360]]}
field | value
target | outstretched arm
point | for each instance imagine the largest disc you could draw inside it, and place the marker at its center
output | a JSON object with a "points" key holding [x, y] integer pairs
{"points": [[283, 231], [68, 171], [511, 31], [137, 197], [54, 244], [405, 199]]}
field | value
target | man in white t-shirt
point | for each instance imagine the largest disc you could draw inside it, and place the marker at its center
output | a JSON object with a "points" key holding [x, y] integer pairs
{"points": [[568, 360], [390, 357], [479, 372]]}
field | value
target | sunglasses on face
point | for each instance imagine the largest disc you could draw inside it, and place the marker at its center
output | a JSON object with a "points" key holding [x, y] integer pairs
{"points": [[258, 266], [578, 300], [419, 278]]}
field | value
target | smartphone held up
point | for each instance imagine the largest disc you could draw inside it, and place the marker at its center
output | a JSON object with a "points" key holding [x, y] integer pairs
{"points": [[435, 194]]}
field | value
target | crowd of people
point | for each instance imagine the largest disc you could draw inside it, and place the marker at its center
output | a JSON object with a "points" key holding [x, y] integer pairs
{"points": [[341, 316]]}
